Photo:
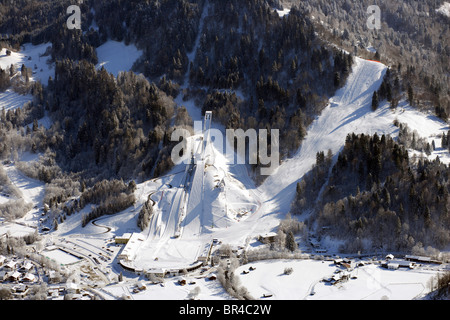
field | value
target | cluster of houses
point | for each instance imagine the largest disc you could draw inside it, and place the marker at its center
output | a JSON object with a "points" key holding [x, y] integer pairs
{"points": [[16, 270], [344, 273], [70, 291], [21, 275]]}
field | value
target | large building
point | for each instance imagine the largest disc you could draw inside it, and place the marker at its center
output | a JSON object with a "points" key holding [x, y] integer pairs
{"points": [[132, 245]]}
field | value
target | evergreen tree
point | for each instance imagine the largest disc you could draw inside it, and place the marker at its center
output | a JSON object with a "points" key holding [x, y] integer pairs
{"points": [[337, 79], [410, 94], [290, 242], [375, 101]]}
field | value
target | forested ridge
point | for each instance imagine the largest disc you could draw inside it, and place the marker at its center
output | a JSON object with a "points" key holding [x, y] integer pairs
{"points": [[376, 197]]}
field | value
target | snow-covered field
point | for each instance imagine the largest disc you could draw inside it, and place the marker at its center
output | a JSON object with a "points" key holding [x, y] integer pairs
{"points": [[349, 111], [10, 100], [116, 56], [14, 229], [32, 192], [32, 57], [61, 256], [223, 202]]}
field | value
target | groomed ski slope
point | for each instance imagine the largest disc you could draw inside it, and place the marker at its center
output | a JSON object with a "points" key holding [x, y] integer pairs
{"points": [[235, 211]]}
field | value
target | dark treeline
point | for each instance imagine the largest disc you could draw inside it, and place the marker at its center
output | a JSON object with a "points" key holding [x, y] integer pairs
{"points": [[110, 196], [113, 125], [145, 214]]}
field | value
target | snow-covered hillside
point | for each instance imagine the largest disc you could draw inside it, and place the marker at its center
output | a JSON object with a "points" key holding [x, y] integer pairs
{"points": [[445, 9], [10, 100], [34, 57]]}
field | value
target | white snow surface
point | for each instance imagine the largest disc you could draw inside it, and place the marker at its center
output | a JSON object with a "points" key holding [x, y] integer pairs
{"points": [[116, 56], [33, 57], [445, 9], [232, 209], [348, 111], [10, 100]]}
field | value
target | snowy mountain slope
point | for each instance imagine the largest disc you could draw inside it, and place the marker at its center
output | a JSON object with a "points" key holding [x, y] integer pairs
{"points": [[231, 208], [10, 100], [33, 57]]}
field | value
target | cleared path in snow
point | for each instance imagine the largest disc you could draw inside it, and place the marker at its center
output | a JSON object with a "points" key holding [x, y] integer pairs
{"points": [[328, 131]]}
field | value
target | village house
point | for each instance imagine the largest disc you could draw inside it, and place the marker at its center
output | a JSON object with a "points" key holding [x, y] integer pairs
{"points": [[26, 266], [14, 276], [29, 277], [10, 265], [267, 238]]}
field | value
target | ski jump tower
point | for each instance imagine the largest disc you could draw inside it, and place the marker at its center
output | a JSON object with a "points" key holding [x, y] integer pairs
{"points": [[206, 153]]}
